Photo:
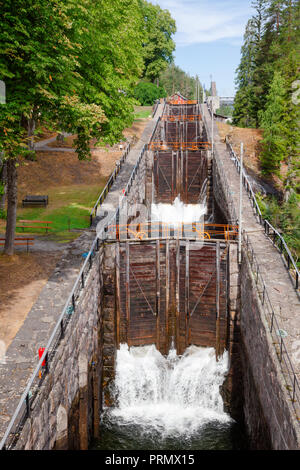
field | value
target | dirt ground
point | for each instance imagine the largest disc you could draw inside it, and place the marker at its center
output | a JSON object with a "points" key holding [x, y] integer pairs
{"points": [[252, 147], [22, 278], [131, 134], [56, 169]]}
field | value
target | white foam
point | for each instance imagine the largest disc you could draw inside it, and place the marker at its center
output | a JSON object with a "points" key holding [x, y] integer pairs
{"points": [[177, 212], [173, 395]]}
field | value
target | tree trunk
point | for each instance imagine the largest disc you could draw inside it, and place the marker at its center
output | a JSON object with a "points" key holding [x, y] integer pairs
{"points": [[60, 137], [3, 179], [11, 206], [31, 129]]}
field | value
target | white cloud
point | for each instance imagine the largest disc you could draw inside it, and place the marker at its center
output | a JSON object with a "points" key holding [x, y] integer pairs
{"points": [[203, 21]]}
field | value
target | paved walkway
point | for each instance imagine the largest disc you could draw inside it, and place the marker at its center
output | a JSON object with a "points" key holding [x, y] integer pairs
{"points": [[22, 355], [42, 145], [282, 293], [111, 202]]}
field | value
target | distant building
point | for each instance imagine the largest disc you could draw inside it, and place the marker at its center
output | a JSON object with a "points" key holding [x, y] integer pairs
{"points": [[178, 98], [213, 101]]}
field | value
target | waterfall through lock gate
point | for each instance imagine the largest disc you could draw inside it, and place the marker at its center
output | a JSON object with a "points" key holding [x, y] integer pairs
{"points": [[178, 212], [171, 402]]}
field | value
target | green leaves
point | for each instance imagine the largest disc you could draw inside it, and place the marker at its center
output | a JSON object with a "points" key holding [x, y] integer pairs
{"points": [[174, 79], [158, 46], [146, 93]]}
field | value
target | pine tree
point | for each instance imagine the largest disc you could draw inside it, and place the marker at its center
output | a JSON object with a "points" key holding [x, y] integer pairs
{"points": [[273, 122], [243, 105]]}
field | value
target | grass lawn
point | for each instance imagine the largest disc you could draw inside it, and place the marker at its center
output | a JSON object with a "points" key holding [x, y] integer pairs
{"points": [[69, 208], [142, 112]]}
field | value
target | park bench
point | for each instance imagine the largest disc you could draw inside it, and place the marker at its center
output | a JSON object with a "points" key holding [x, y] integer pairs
{"points": [[20, 241], [35, 201], [34, 224]]}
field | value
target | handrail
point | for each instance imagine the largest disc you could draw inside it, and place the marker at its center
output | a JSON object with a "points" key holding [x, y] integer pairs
{"points": [[23, 409], [109, 184], [201, 230], [155, 107], [163, 145], [276, 237], [289, 374]]}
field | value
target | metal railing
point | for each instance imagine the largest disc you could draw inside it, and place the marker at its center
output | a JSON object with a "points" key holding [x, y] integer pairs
{"points": [[221, 170], [155, 229], [35, 382], [23, 410], [109, 184], [163, 145], [292, 384], [155, 108], [273, 234], [231, 207]]}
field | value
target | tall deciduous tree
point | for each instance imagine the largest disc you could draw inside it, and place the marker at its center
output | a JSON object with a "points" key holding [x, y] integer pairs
{"points": [[111, 59], [38, 63], [158, 45]]}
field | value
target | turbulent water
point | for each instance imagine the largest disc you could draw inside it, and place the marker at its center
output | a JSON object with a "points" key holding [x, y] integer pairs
{"points": [[177, 212], [167, 402]]}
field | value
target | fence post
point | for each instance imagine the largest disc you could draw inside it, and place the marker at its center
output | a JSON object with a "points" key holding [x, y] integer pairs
{"points": [[28, 405]]}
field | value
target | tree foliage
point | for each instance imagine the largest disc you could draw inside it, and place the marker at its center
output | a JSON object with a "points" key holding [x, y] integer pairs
{"points": [[273, 122], [174, 79], [73, 66], [264, 96], [146, 93], [158, 45]]}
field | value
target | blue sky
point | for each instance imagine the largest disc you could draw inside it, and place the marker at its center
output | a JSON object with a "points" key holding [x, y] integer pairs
{"points": [[209, 38]]}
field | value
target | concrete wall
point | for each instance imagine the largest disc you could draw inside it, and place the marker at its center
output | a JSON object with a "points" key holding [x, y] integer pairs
{"points": [[66, 411]]}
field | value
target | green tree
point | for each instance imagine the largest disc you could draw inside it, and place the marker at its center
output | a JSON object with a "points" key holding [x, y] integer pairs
{"points": [[146, 93], [173, 79], [272, 120], [248, 81], [110, 60], [158, 45], [38, 64]]}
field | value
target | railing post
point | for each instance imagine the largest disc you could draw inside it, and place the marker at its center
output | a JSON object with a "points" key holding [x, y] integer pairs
{"points": [[62, 332], [46, 364], [272, 320], [28, 405], [294, 387]]}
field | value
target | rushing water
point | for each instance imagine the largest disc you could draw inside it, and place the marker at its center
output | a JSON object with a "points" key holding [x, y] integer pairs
{"points": [[177, 212], [168, 402]]}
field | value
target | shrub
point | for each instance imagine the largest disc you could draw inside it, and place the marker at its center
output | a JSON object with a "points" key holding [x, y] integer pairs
{"points": [[146, 93]]}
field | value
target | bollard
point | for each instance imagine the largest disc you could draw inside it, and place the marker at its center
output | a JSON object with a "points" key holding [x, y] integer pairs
{"points": [[41, 351]]}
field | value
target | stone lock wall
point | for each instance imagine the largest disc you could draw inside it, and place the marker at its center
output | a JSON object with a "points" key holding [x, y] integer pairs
{"points": [[66, 412], [269, 416]]}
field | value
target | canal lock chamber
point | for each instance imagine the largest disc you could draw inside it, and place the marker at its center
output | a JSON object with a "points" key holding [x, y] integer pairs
{"points": [[171, 360]]}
